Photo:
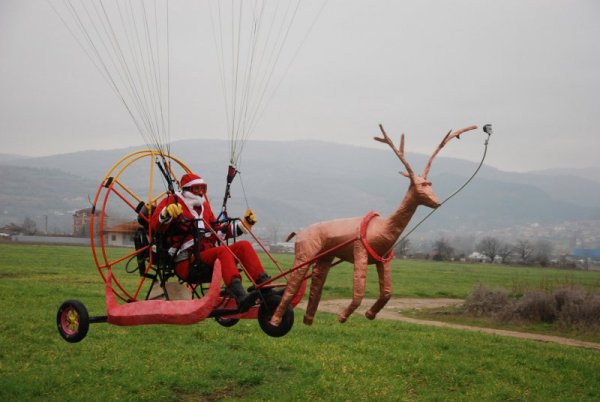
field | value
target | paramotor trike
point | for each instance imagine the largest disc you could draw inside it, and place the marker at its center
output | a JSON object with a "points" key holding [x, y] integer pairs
{"points": [[129, 272]]}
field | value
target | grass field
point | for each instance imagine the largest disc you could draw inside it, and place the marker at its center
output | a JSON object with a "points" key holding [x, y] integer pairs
{"points": [[359, 361]]}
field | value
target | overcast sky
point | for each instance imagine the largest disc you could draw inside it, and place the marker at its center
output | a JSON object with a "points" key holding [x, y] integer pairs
{"points": [[530, 67]]}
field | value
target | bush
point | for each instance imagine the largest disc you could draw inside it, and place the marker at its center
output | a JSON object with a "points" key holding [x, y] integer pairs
{"points": [[578, 308], [568, 305], [569, 295], [536, 306], [486, 301]]}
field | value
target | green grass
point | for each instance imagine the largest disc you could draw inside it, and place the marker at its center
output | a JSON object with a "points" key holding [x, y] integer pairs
{"points": [[359, 361], [430, 279], [457, 315]]}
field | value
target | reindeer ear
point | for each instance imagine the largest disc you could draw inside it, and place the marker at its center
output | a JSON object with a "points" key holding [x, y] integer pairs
{"points": [[404, 174]]}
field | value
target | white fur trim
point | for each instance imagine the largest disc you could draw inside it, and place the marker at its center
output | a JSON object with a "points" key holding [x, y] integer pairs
{"points": [[162, 218], [195, 182], [186, 245]]}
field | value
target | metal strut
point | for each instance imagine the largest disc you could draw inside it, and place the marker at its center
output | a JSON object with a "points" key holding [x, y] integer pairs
{"points": [[165, 172], [231, 172]]}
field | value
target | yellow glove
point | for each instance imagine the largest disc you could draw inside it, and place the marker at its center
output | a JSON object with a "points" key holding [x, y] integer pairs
{"points": [[171, 211], [249, 218]]}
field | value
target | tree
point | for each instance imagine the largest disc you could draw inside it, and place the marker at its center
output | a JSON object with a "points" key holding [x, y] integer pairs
{"points": [[273, 233], [442, 250], [505, 250], [401, 249], [543, 252], [29, 226], [489, 246], [524, 250]]}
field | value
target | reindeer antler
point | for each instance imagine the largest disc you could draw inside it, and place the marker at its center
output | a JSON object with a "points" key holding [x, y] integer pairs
{"points": [[398, 151], [446, 140]]}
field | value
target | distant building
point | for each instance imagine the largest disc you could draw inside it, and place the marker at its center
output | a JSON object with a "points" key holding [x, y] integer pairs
{"points": [[282, 247], [122, 234], [586, 253], [81, 222], [11, 229], [477, 257]]}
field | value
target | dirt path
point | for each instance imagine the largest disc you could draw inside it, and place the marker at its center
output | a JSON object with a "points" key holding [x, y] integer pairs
{"points": [[393, 311]]}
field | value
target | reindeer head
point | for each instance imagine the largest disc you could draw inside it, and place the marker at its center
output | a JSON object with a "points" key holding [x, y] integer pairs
{"points": [[419, 184]]}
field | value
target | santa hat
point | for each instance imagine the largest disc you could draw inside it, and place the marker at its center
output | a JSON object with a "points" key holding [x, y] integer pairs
{"points": [[191, 179]]}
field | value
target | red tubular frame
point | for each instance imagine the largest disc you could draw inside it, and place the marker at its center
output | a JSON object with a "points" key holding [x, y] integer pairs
{"points": [[103, 263]]}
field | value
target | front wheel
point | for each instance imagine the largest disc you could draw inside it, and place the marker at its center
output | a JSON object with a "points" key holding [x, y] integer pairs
{"points": [[265, 312], [73, 321]]}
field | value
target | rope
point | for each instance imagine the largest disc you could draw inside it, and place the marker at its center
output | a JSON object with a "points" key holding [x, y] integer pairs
{"points": [[259, 114], [244, 190], [251, 38], [123, 42], [487, 140]]}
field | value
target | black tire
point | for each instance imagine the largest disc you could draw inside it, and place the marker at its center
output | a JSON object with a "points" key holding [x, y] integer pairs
{"points": [[226, 322], [72, 321], [265, 312]]}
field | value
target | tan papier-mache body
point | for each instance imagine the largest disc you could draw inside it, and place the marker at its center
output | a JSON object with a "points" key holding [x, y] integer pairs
{"points": [[380, 236]]}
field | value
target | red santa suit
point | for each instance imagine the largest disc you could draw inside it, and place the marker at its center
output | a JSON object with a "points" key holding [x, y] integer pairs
{"points": [[179, 235]]}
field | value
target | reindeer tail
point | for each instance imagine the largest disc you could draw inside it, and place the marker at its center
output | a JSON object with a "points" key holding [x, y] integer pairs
{"points": [[290, 236]]}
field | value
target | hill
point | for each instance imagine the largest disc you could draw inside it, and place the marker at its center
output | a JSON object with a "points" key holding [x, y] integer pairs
{"points": [[293, 184]]}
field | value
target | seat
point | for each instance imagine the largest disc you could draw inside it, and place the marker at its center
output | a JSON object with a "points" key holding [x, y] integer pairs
{"points": [[163, 264]]}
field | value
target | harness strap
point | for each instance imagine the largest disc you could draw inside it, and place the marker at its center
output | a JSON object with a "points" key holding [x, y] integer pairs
{"points": [[363, 238]]}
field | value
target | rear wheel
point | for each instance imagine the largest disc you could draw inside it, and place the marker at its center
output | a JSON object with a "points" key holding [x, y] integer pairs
{"points": [[226, 322], [72, 321], [265, 312]]}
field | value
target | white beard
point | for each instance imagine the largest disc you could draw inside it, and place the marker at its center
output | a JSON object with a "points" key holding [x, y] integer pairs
{"points": [[192, 200]]}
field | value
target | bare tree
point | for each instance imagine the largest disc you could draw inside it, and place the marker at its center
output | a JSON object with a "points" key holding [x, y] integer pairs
{"points": [[273, 233], [29, 226], [505, 250], [401, 249], [524, 250], [543, 252], [489, 246], [442, 250]]}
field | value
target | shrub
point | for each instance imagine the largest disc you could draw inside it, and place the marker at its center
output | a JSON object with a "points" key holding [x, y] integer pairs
{"points": [[568, 295], [486, 301], [578, 308], [568, 305], [536, 306]]}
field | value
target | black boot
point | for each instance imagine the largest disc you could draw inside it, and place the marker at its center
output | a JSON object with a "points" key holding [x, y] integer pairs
{"points": [[264, 277], [236, 289]]}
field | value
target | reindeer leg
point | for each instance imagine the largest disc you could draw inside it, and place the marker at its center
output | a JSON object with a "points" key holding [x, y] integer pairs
{"points": [[291, 289], [385, 289], [320, 271], [360, 278]]}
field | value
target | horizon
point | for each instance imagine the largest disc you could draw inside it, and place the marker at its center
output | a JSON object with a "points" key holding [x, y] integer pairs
{"points": [[374, 146], [529, 68]]}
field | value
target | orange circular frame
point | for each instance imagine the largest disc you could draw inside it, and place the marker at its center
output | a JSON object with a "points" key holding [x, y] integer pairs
{"points": [[133, 184]]}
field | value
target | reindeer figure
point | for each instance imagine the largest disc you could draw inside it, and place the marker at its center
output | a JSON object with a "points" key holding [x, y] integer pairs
{"points": [[350, 241]]}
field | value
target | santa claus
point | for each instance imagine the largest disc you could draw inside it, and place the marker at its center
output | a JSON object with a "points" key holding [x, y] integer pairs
{"points": [[188, 225]]}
